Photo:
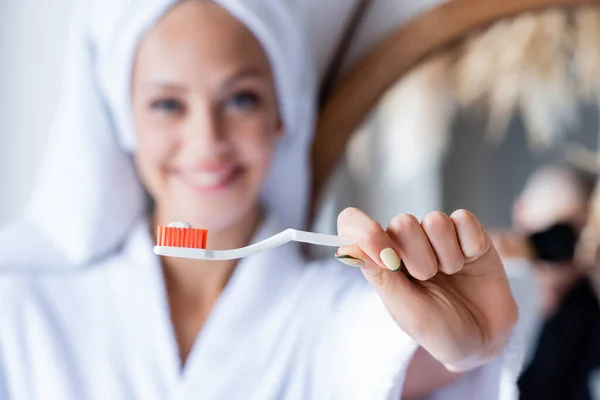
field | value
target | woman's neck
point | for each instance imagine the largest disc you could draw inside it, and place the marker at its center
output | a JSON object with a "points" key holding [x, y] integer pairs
{"points": [[194, 286], [200, 281]]}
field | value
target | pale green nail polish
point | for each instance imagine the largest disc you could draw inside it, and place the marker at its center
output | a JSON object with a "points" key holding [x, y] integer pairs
{"points": [[349, 260], [390, 259]]}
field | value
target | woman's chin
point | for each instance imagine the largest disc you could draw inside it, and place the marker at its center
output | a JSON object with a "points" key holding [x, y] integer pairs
{"points": [[214, 211]]}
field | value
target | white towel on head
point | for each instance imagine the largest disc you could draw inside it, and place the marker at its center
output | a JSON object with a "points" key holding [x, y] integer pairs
{"points": [[88, 194]]}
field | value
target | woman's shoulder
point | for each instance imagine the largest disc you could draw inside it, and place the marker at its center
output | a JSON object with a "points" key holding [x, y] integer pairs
{"points": [[19, 287], [33, 274], [67, 306], [30, 265]]}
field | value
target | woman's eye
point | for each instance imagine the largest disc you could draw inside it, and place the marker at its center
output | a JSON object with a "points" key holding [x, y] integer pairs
{"points": [[168, 105], [243, 101]]}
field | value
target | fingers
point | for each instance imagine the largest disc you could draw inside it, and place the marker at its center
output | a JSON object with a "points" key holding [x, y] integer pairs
{"points": [[438, 243], [372, 241], [443, 239], [416, 251], [474, 241]]}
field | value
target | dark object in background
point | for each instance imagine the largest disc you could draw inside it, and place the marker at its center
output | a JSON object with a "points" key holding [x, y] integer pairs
{"points": [[555, 244], [568, 351]]}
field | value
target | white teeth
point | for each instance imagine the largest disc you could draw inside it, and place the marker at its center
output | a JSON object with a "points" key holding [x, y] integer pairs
{"points": [[208, 178]]}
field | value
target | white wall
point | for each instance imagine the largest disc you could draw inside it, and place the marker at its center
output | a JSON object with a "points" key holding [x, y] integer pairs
{"points": [[32, 39]]}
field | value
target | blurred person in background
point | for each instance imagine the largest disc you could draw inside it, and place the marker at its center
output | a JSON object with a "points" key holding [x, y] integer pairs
{"points": [[548, 218], [204, 112]]}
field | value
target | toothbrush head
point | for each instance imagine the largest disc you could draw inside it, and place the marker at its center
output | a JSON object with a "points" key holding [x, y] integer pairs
{"points": [[181, 234]]}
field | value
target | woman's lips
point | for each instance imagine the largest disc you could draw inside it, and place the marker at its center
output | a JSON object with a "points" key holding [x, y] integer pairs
{"points": [[215, 178]]}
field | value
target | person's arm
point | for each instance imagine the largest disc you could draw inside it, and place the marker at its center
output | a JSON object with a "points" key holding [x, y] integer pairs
{"points": [[512, 245], [425, 375]]}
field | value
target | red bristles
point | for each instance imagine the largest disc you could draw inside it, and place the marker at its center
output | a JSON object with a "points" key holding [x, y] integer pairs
{"points": [[181, 237]]}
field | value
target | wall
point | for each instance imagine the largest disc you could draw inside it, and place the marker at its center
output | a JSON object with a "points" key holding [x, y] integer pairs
{"points": [[32, 38]]}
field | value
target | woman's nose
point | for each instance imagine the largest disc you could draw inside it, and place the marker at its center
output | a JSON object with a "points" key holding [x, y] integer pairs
{"points": [[202, 135]]}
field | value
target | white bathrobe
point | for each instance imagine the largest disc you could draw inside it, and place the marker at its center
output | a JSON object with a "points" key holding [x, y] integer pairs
{"points": [[282, 329], [83, 309]]}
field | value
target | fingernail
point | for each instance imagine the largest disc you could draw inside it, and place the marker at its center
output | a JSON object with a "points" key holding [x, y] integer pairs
{"points": [[390, 259], [349, 260]]}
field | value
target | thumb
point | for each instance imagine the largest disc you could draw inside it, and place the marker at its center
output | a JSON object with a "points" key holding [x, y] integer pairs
{"points": [[385, 280], [376, 267]]}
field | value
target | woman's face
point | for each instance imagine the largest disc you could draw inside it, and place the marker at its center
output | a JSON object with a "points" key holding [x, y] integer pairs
{"points": [[206, 116]]}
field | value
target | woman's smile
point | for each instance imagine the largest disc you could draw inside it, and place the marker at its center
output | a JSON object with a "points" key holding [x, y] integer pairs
{"points": [[216, 178]]}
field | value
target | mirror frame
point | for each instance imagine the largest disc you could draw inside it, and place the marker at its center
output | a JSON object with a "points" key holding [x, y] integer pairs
{"points": [[429, 33]]}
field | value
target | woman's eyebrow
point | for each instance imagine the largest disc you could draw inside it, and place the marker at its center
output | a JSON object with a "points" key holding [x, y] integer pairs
{"points": [[170, 86], [178, 87], [245, 73]]}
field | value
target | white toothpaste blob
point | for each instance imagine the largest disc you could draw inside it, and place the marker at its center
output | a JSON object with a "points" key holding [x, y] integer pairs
{"points": [[179, 225]]}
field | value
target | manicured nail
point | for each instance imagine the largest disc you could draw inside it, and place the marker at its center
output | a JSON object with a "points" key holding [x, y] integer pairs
{"points": [[349, 260], [390, 259]]}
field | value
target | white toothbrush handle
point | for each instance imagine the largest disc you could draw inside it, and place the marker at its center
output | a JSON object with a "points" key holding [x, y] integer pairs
{"points": [[267, 244], [320, 239], [202, 254]]}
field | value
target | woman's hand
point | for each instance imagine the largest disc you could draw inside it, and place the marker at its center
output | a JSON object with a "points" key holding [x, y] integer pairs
{"points": [[441, 280]]}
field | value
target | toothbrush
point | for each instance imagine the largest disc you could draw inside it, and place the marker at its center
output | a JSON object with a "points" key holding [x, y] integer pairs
{"points": [[179, 239]]}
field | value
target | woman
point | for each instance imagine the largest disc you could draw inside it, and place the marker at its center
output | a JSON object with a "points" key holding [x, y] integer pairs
{"points": [[215, 101]]}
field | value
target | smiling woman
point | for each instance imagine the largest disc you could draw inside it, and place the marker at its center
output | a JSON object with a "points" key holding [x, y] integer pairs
{"points": [[209, 108]]}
